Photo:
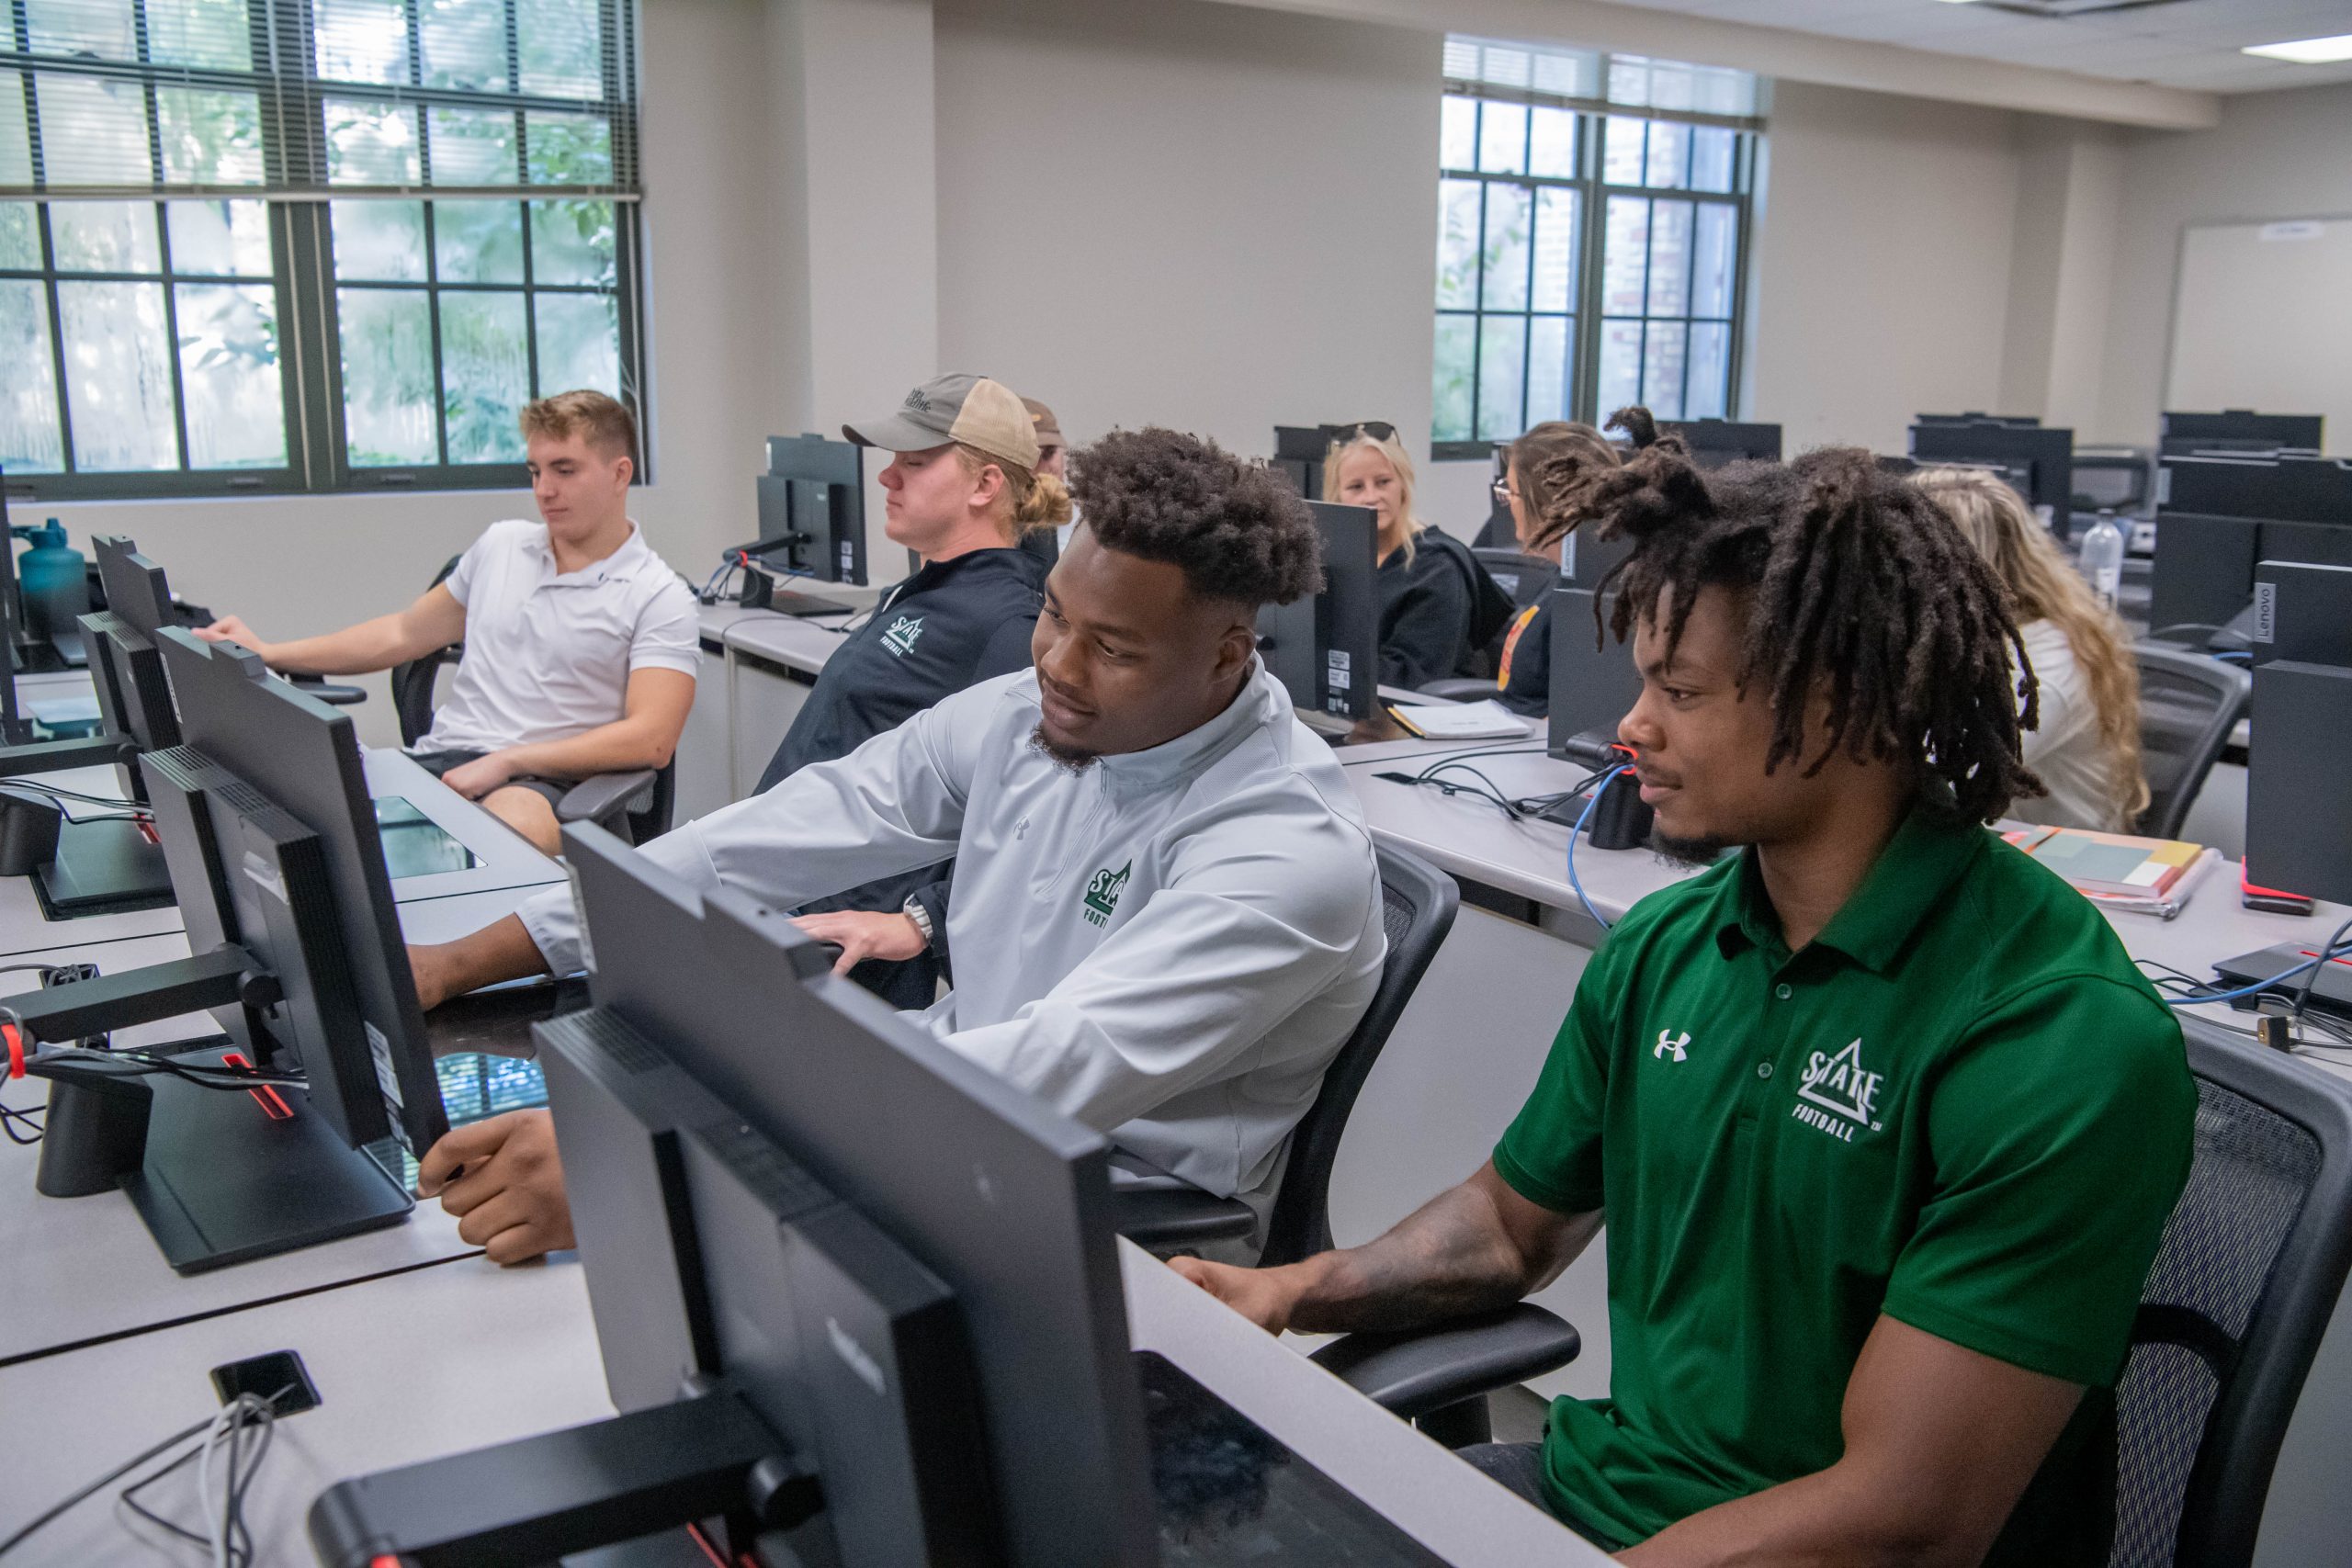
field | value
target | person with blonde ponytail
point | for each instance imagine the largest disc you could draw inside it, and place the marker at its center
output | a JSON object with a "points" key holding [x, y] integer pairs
{"points": [[963, 488], [1427, 578], [2086, 747]]}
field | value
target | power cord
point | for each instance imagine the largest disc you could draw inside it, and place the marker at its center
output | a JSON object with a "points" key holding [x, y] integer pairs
{"points": [[1583, 818], [2309, 968]]}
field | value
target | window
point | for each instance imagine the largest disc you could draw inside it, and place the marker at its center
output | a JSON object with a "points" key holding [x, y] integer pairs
{"points": [[1581, 191], [307, 245]]}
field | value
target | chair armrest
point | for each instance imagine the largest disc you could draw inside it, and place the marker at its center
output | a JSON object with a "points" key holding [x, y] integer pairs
{"points": [[1412, 1373], [337, 696], [1167, 1220], [594, 799], [1461, 689]]}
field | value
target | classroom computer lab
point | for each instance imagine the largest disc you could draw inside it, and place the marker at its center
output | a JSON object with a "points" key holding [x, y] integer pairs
{"points": [[1175, 783]]}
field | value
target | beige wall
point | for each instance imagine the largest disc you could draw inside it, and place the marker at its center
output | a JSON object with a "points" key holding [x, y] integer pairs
{"points": [[2274, 155], [1882, 275], [1189, 214]]}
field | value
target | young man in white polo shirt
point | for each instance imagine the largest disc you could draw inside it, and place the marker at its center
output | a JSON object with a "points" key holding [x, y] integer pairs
{"points": [[580, 644]]}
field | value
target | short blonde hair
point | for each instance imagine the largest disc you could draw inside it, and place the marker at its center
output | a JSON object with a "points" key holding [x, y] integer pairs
{"points": [[605, 423]]}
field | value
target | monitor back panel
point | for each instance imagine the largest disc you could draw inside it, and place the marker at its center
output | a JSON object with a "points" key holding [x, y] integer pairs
{"points": [[1005, 1201], [1592, 688], [2298, 809]]}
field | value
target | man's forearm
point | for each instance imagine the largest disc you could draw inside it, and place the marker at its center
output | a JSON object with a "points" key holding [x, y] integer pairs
{"points": [[356, 651], [1451, 1257], [1834, 1518], [617, 748], [496, 952]]}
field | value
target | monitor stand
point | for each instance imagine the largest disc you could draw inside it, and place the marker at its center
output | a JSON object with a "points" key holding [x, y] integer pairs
{"points": [[787, 602], [225, 1176], [103, 868]]}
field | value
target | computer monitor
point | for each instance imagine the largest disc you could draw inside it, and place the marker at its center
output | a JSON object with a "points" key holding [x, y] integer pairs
{"points": [[2298, 807], [1324, 649], [270, 836], [2121, 480], [2217, 517], [1716, 442], [902, 1266], [1299, 451], [812, 524], [126, 667], [2036, 459], [1592, 686], [2241, 430], [2003, 421]]}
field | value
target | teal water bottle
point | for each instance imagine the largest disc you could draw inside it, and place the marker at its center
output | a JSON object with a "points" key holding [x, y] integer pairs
{"points": [[54, 579]]}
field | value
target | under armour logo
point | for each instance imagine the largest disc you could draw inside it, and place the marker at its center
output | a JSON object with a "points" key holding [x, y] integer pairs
{"points": [[1675, 1046]]}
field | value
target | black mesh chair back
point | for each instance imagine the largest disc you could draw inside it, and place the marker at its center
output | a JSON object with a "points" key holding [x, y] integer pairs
{"points": [[1418, 905], [2188, 704], [2242, 1287], [1525, 578], [413, 681]]}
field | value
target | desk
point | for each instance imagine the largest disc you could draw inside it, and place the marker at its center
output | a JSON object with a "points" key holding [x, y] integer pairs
{"points": [[81, 1269], [1440, 1096], [464, 1354], [509, 862], [768, 662]]}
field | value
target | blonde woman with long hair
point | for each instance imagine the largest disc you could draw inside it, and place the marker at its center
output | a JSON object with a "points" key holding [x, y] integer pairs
{"points": [[2086, 747], [1425, 591]]}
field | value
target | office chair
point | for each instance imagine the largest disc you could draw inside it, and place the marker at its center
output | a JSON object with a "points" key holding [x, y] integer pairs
{"points": [[1526, 579], [2231, 1315], [1418, 905], [2188, 704], [636, 805]]}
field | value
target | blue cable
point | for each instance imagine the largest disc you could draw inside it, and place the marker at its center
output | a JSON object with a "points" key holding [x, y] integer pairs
{"points": [[1577, 832], [2242, 990], [2233, 653]]}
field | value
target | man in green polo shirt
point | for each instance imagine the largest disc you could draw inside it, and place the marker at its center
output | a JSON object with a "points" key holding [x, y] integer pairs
{"points": [[1884, 1123]]}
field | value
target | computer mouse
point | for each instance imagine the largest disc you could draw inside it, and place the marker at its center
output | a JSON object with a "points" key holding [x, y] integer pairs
{"points": [[28, 826]]}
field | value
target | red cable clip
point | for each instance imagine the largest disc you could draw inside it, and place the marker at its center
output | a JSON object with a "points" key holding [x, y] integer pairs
{"points": [[16, 1049]]}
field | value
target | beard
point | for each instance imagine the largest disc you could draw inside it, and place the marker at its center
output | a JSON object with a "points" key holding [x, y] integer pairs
{"points": [[1067, 758], [1699, 853]]}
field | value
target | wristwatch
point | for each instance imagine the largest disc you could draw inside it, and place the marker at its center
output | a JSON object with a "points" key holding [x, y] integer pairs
{"points": [[914, 911]]}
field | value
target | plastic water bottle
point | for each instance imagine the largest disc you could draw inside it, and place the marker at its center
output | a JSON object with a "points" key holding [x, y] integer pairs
{"points": [[2102, 558]]}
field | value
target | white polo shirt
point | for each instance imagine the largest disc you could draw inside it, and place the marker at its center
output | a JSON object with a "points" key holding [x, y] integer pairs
{"points": [[548, 654]]}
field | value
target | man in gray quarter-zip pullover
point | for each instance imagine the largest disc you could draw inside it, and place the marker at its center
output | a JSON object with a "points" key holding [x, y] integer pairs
{"points": [[1167, 913]]}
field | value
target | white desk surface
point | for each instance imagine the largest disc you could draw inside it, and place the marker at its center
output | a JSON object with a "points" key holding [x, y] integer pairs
{"points": [[82, 1269], [509, 861], [464, 1354], [797, 642]]}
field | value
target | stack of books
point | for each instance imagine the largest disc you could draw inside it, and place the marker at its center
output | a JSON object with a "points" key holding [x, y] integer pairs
{"points": [[2154, 876]]}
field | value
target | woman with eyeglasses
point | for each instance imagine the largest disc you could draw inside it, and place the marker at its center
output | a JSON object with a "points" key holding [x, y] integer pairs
{"points": [[1535, 474], [1427, 578]]}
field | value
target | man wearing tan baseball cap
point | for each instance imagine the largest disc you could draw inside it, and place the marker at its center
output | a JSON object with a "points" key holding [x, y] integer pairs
{"points": [[969, 410]]}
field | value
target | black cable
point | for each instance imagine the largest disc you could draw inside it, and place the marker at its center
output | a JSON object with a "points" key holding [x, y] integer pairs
{"points": [[27, 968], [23, 1128], [2326, 956], [183, 1435]]}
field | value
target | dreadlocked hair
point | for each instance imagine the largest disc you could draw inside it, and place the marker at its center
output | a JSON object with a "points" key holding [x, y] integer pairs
{"points": [[1858, 588]]}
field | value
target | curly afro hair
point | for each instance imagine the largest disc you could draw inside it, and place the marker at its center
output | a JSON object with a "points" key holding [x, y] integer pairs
{"points": [[1237, 529]]}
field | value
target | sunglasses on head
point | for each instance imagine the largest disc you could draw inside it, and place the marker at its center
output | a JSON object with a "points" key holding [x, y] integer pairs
{"points": [[1378, 429]]}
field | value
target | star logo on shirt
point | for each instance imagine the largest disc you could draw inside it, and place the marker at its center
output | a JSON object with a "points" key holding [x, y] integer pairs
{"points": [[900, 636]]}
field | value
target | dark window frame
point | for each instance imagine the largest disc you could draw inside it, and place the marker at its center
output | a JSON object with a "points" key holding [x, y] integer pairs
{"points": [[1586, 315], [298, 192]]}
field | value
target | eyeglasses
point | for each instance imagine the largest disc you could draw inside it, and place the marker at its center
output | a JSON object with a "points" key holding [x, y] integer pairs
{"points": [[1503, 492], [1374, 428]]}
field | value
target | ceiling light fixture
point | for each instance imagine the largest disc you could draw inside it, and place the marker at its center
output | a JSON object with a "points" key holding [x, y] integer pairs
{"points": [[2307, 51]]}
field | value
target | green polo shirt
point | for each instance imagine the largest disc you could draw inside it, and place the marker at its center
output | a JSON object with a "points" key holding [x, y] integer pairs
{"points": [[1960, 1106]]}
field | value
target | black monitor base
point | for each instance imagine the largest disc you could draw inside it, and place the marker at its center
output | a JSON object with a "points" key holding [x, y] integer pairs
{"points": [[103, 868], [225, 1176], [784, 602]]}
